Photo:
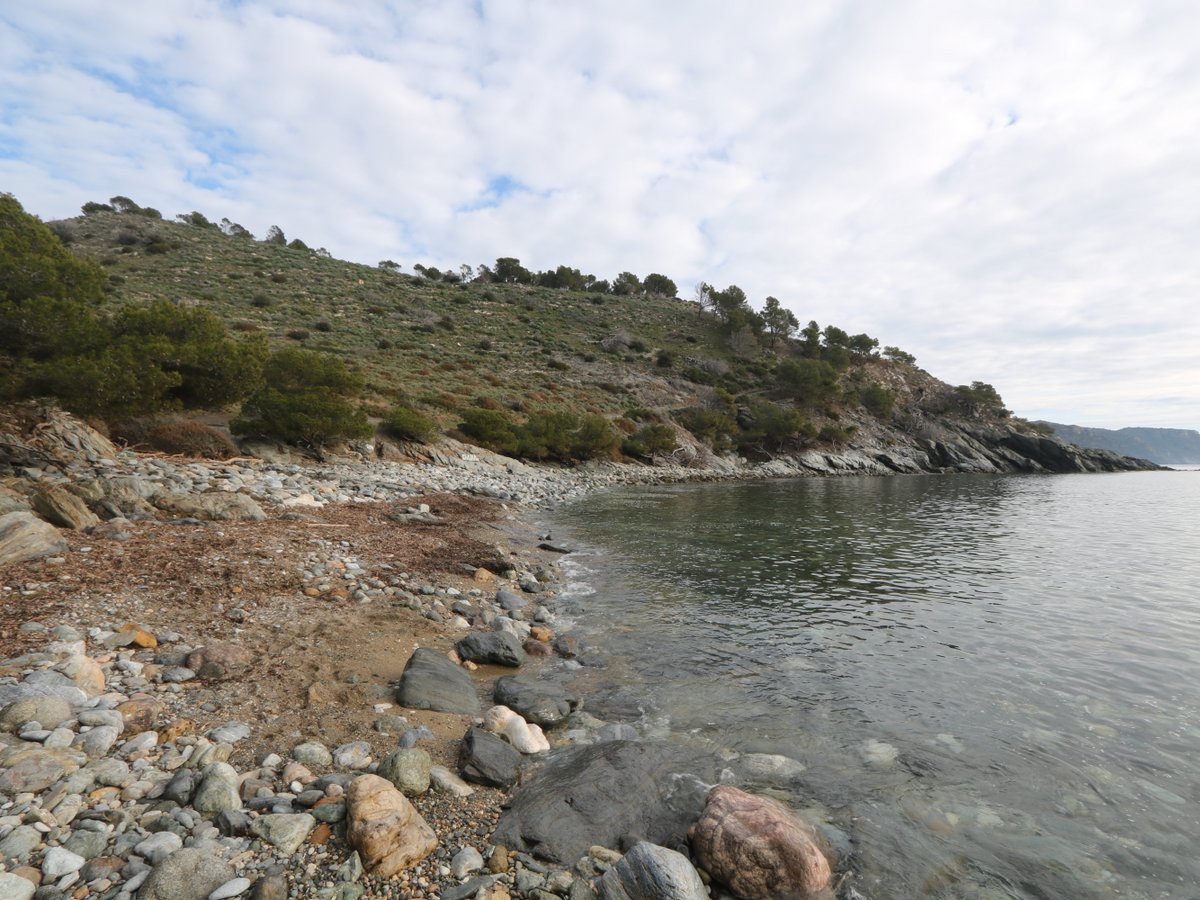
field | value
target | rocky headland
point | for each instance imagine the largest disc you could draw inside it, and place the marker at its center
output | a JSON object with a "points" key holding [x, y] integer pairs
{"points": [[272, 678]]}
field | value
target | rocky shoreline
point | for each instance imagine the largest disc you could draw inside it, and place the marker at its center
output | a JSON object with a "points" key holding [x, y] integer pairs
{"points": [[274, 679]]}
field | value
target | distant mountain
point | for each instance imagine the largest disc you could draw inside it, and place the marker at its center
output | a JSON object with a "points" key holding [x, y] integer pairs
{"points": [[1165, 446]]}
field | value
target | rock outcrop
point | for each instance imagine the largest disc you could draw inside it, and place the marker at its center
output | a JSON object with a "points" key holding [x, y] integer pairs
{"points": [[23, 536]]}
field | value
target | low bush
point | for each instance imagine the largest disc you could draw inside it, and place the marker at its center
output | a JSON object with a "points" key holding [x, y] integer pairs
{"points": [[190, 438], [407, 424], [655, 439]]}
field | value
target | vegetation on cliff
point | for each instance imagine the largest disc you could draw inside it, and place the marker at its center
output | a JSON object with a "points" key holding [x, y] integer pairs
{"points": [[121, 314]]}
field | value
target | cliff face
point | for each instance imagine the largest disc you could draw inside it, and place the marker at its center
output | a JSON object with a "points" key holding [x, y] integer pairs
{"points": [[1168, 446], [957, 446]]}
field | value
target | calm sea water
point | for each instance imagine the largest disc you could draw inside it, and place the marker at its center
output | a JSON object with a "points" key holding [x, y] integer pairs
{"points": [[993, 682]]}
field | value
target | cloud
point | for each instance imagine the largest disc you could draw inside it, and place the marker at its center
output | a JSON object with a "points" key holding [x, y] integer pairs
{"points": [[1009, 192]]}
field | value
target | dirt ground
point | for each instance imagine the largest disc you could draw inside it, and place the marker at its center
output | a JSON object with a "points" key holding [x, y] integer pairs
{"points": [[321, 664]]}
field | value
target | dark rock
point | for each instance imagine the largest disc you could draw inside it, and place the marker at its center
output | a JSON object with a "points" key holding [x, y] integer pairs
{"points": [[487, 759], [538, 702], [181, 787], [233, 822], [552, 547], [648, 872], [509, 601], [614, 795], [497, 647], [431, 681]]}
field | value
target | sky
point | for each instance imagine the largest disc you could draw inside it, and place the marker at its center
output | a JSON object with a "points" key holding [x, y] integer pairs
{"points": [[1008, 190]]}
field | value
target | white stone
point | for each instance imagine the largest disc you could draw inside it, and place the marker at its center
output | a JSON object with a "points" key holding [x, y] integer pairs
{"points": [[58, 861], [513, 728], [230, 889]]}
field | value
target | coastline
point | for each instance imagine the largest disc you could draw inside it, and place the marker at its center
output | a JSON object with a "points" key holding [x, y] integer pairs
{"points": [[305, 568]]}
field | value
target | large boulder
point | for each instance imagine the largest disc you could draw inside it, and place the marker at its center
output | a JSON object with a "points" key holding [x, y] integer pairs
{"points": [[216, 506], [385, 829], [648, 872], [757, 848], [60, 507], [23, 536], [486, 759], [497, 647], [613, 794], [189, 874], [538, 702], [432, 681]]}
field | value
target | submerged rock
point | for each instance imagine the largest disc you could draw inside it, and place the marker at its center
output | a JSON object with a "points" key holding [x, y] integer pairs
{"points": [[541, 703]]}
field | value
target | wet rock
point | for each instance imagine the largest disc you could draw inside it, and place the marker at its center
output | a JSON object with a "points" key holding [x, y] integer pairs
{"points": [[286, 831], [218, 660], [23, 536], [757, 848], [408, 769], [496, 647], [60, 507], [486, 759], [648, 872], [188, 874], [613, 794], [502, 721], [539, 702], [509, 601], [384, 828], [431, 681]]}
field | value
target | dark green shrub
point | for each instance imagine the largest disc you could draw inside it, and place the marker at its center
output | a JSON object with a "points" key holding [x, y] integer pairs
{"points": [[262, 301], [406, 424], [489, 428], [306, 400], [771, 428], [298, 334], [384, 344], [715, 428], [655, 439], [665, 359], [323, 325], [877, 399]]}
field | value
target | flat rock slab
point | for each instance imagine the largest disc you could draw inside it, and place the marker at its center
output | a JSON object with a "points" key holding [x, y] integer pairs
{"points": [[537, 701], [432, 681], [613, 795]]}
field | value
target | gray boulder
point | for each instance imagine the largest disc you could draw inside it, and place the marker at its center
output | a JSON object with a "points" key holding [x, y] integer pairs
{"points": [[189, 874], [538, 702], [431, 681], [486, 759], [613, 795], [23, 536], [648, 872], [497, 647]]}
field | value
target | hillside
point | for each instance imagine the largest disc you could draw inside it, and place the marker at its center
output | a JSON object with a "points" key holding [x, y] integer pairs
{"points": [[1165, 446], [189, 317]]}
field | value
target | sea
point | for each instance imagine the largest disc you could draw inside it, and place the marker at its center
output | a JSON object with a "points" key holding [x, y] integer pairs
{"points": [[990, 684]]}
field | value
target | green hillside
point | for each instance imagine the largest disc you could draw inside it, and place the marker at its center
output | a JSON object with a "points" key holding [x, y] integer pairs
{"points": [[444, 346]]}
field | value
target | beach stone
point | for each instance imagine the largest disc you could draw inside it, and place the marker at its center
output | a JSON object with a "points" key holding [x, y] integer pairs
{"points": [[87, 844], [486, 759], [496, 647], [757, 848], [48, 711], [526, 738], [218, 660], [312, 753], [98, 741], [229, 733], [23, 536], [431, 681], [354, 755], [286, 831], [111, 772], [158, 846], [408, 769], [648, 872], [58, 861], [539, 702], [613, 795], [14, 887], [509, 601], [13, 692], [141, 637], [60, 507], [20, 842], [85, 673], [181, 787], [385, 829], [466, 861], [35, 771], [218, 790], [270, 887], [188, 874], [446, 782], [230, 889], [212, 506], [94, 717]]}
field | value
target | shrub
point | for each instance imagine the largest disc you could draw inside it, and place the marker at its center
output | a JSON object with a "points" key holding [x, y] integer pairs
{"points": [[877, 399], [278, 277], [406, 424], [772, 428], [655, 439], [262, 301], [298, 334], [190, 438], [715, 428], [558, 365], [665, 359], [305, 400], [489, 428], [323, 325], [384, 344]]}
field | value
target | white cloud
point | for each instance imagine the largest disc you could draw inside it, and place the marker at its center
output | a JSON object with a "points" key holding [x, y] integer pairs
{"points": [[1008, 191]]}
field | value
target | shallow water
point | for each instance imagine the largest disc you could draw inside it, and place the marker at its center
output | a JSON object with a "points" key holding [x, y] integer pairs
{"points": [[992, 681]]}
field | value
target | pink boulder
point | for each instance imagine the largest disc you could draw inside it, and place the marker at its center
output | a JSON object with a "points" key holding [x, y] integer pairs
{"points": [[758, 849]]}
